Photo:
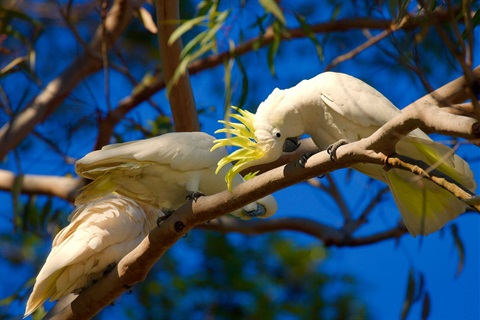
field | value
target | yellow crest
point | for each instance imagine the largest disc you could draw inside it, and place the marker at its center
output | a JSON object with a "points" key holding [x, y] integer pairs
{"points": [[238, 135]]}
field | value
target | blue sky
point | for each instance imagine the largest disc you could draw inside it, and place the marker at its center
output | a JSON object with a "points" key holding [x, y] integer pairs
{"points": [[381, 268]]}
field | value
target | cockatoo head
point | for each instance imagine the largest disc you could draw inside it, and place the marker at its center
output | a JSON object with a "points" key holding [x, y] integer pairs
{"points": [[261, 137]]}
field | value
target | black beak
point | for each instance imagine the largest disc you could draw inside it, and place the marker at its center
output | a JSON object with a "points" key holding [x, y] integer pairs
{"points": [[291, 144]]}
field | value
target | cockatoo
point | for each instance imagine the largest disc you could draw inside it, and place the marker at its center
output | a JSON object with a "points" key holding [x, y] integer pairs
{"points": [[99, 235], [335, 106], [163, 172]]}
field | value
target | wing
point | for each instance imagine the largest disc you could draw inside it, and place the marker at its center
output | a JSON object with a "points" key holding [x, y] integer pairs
{"points": [[351, 98], [183, 151], [99, 234]]}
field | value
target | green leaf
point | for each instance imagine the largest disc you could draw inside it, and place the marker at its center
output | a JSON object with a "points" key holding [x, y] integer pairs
{"points": [[309, 33], [460, 248], [272, 7], [47, 208], [185, 27], [409, 295], [30, 214], [190, 46], [16, 191], [204, 6], [243, 72], [11, 65], [228, 64], [273, 48], [426, 306], [475, 22]]}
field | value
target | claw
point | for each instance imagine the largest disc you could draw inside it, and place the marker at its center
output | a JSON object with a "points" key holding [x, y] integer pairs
{"points": [[260, 211], [167, 214], [194, 196], [303, 160], [332, 149]]}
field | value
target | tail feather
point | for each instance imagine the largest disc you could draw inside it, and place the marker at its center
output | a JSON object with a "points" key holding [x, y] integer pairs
{"points": [[268, 202], [439, 157], [95, 190], [127, 179], [41, 292], [425, 207]]}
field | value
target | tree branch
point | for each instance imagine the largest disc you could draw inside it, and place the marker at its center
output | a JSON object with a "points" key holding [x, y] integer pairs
{"points": [[180, 94], [134, 267], [327, 234], [12, 133], [62, 187], [107, 126]]}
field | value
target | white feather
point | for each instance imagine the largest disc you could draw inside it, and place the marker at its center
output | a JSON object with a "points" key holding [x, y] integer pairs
{"points": [[161, 171], [100, 234], [334, 106]]}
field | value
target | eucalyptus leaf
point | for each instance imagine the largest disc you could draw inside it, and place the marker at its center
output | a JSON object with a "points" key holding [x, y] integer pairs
{"points": [[272, 7]]}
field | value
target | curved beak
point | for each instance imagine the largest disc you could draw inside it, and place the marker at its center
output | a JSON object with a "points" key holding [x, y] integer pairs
{"points": [[291, 144]]}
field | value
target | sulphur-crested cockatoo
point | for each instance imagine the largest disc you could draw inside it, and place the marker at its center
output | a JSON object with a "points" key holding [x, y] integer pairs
{"points": [[162, 171], [334, 106], [99, 235]]}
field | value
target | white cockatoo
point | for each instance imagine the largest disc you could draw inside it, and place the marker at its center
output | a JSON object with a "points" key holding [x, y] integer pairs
{"points": [[335, 106], [163, 172], [132, 183], [99, 235]]}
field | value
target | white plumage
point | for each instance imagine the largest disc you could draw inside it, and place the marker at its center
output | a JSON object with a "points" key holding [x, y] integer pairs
{"points": [[334, 106], [132, 183], [99, 235], [162, 171]]}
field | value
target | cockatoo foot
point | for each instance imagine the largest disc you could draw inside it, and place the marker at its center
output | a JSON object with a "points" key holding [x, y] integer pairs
{"points": [[332, 149], [167, 214], [109, 268], [194, 196], [260, 211], [303, 160]]}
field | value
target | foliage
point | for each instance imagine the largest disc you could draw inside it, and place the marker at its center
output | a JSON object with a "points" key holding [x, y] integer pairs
{"points": [[260, 45], [232, 279]]}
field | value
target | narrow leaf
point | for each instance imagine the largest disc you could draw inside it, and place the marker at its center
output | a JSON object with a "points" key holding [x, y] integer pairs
{"points": [[272, 7], [30, 213], [228, 78], [16, 190], [310, 35], [243, 96], [147, 20], [184, 27], [460, 248], [409, 295], [11, 65], [273, 48], [426, 306], [46, 210]]}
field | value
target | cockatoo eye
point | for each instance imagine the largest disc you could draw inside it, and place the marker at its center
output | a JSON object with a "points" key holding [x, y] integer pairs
{"points": [[278, 134]]}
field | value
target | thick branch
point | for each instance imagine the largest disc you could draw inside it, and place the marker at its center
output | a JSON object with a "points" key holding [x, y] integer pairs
{"points": [[134, 267], [158, 83], [453, 92], [180, 94], [62, 187], [425, 114], [12, 133], [328, 235]]}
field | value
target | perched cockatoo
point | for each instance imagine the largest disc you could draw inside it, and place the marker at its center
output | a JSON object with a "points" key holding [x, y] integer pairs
{"points": [[162, 171], [99, 235], [334, 106]]}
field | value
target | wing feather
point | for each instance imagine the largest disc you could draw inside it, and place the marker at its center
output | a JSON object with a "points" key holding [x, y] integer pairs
{"points": [[182, 151]]}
